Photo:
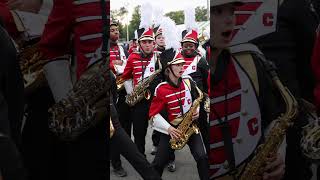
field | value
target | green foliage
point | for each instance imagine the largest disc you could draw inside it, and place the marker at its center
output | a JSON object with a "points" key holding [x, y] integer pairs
{"points": [[176, 16]]}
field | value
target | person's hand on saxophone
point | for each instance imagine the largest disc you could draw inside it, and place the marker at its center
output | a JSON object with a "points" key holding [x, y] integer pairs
{"points": [[275, 168], [174, 133]]}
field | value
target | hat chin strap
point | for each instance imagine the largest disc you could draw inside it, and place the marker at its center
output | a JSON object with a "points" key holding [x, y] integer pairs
{"points": [[143, 52], [193, 53], [170, 81]]}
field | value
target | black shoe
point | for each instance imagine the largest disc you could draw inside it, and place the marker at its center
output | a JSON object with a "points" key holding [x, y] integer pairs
{"points": [[120, 172], [172, 166]]}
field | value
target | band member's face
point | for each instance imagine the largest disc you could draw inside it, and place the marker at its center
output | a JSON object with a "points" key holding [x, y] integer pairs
{"points": [[147, 46], [114, 33], [160, 40], [177, 69], [188, 47], [222, 25]]}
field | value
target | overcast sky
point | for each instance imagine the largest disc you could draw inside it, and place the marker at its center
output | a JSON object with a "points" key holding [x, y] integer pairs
{"points": [[167, 5]]}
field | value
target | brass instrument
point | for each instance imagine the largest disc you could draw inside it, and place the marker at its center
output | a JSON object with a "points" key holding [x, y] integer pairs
{"points": [[310, 141], [206, 102], [202, 37], [255, 168], [31, 68], [187, 126], [120, 83], [84, 106], [141, 90], [119, 80], [111, 128]]}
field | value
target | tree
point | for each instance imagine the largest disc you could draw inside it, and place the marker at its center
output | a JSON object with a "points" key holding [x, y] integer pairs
{"points": [[119, 15], [135, 21], [176, 16], [201, 14]]}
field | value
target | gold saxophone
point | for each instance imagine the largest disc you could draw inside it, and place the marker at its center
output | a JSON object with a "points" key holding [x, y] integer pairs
{"points": [[31, 67], [84, 105], [310, 141], [120, 83], [141, 90], [187, 125], [254, 169]]}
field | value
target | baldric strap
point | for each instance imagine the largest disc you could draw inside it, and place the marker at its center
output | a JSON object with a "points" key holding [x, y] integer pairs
{"points": [[243, 55]]}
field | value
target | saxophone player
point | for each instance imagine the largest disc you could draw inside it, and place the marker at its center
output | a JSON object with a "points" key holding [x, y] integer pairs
{"points": [[75, 27], [160, 47], [175, 96], [141, 66], [241, 100]]}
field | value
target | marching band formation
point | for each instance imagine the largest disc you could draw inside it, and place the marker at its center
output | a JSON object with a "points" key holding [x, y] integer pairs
{"points": [[245, 100]]}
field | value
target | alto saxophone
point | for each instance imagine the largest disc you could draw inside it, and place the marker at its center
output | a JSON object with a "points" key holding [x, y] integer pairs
{"points": [[187, 127], [31, 67], [141, 90], [84, 105], [254, 169], [310, 141]]}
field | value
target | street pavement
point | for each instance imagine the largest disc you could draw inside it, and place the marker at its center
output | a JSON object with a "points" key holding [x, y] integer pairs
{"points": [[185, 165]]}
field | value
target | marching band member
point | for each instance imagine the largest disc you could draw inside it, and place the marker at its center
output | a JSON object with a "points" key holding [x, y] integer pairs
{"points": [[159, 39], [290, 48], [118, 61], [133, 46], [175, 96], [241, 98], [160, 47], [82, 22], [141, 66]]}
